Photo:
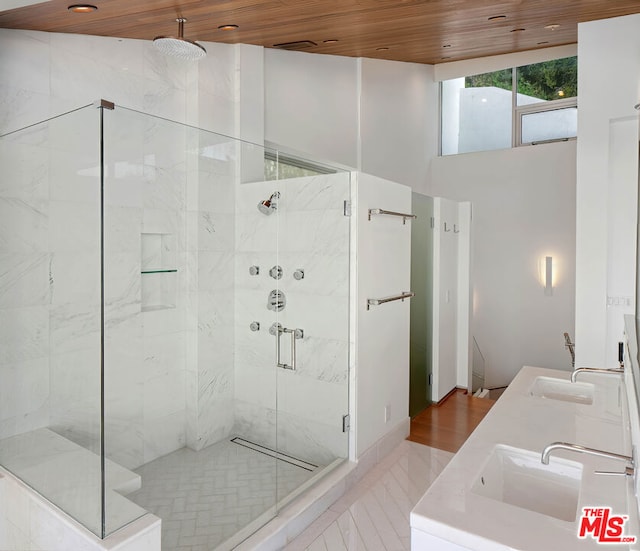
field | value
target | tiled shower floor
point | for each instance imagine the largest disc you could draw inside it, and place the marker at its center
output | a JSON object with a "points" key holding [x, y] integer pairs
{"points": [[205, 497]]}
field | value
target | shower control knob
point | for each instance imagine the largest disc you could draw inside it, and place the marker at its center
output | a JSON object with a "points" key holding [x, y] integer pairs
{"points": [[276, 301], [254, 326], [276, 272], [254, 270], [275, 329], [298, 274]]}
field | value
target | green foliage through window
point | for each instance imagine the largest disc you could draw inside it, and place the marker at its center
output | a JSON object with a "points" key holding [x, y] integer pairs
{"points": [[498, 79], [555, 79], [549, 80]]}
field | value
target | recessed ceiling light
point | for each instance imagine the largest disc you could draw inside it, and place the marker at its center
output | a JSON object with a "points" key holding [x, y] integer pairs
{"points": [[497, 17], [330, 41], [228, 27], [552, 27], [519, 29], [383, 49], [82, 8]]}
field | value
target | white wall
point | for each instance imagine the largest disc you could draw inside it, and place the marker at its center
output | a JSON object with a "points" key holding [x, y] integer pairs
{"points": [[377, 116], [398, 121], [312, 104], [607, 181], [523, 205], [383, 270]]}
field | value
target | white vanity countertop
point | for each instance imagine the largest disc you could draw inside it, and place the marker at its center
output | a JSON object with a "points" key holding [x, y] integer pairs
{"points": [[452, 511]]}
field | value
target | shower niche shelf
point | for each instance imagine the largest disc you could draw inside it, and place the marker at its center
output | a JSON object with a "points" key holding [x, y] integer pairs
{"points": [[158, 271]]}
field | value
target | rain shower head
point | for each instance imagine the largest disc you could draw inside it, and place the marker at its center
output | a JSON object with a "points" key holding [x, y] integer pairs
{"points": [[269, 205], [179, 47]]}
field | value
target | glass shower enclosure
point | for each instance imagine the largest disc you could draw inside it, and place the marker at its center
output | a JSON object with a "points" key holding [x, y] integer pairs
{"points": [[174, 327]]}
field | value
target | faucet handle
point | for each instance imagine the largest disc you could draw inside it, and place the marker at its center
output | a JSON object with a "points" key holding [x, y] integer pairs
{"points": [[628, 471]]}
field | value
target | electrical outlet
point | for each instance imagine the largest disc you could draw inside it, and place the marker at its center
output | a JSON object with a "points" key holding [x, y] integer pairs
{"points": [[387, 413]]}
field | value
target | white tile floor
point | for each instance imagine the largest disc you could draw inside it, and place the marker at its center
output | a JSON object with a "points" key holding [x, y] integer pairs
{"points": [[205, 497], [374, 514]]}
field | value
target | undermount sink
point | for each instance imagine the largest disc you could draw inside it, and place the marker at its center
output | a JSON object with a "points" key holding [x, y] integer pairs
{"points": [[560, 389], [518, 477]]}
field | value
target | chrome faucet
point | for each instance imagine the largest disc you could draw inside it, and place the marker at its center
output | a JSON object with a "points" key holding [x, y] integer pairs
{"points": [[611, 371], [629, 470]]}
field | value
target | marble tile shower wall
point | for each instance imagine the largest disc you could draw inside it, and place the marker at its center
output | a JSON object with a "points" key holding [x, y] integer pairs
{"points": [[312, 233], [49, 243], [210, 331]]}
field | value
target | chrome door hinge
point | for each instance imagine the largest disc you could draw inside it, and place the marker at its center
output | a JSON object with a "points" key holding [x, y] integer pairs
{"points": [[433, 222], [347, 208], [346, 423]]}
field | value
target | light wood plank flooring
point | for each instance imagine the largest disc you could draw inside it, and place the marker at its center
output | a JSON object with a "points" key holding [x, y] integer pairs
{"points": [[447, 425]]}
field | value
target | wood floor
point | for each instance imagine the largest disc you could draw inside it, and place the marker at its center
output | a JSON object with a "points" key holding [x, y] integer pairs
{"points": [[446, 426]]}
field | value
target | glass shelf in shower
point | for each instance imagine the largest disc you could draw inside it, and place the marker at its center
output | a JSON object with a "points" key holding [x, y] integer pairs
{"points": [[159, 271]]}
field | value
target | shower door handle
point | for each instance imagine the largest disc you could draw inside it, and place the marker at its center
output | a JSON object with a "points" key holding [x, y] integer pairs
{"points": [[295, 334]]}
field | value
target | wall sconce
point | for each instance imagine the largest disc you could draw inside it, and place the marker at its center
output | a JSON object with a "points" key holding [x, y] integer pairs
{"points": [[548, 276]]}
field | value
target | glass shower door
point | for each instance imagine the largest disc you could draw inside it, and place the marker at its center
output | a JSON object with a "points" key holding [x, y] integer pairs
{"points": [[312, 357]]}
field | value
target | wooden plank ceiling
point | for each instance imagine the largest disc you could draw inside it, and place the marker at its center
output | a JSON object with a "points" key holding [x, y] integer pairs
{"points": [[422, 31]]}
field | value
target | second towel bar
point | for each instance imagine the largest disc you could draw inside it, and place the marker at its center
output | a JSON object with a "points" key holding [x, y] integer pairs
{"points": [[404, 216], [378, 301]]}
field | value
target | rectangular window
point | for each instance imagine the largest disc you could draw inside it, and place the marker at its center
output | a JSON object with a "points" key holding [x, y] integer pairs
{"points": [[519, 106], [281, 167], [477, 113]]}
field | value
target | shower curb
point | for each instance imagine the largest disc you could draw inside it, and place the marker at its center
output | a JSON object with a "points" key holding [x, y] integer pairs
{"points": [[303, 511]]}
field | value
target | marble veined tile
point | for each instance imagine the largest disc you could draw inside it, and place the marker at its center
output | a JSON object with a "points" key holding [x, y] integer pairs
{"points": [[163, 221], [311, 399], [24, 279], [74, 277], [214, 75], [20, 107], [324, 274], [24, 225], [74, 175], [25, 168], [24, 333], [255, 423], [74, 327], [323, 359], [319, 316], [164, 188], [322, 192], [74, 226], [84, 66], [323, 231], [25, 56], [218, 112], [216, 231], [163, 435], [165, 143], [216, 270], [75, 388], [24, 388], [162, 100], [313, 441], [215, 420], [122, 229], [159, 68]]}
